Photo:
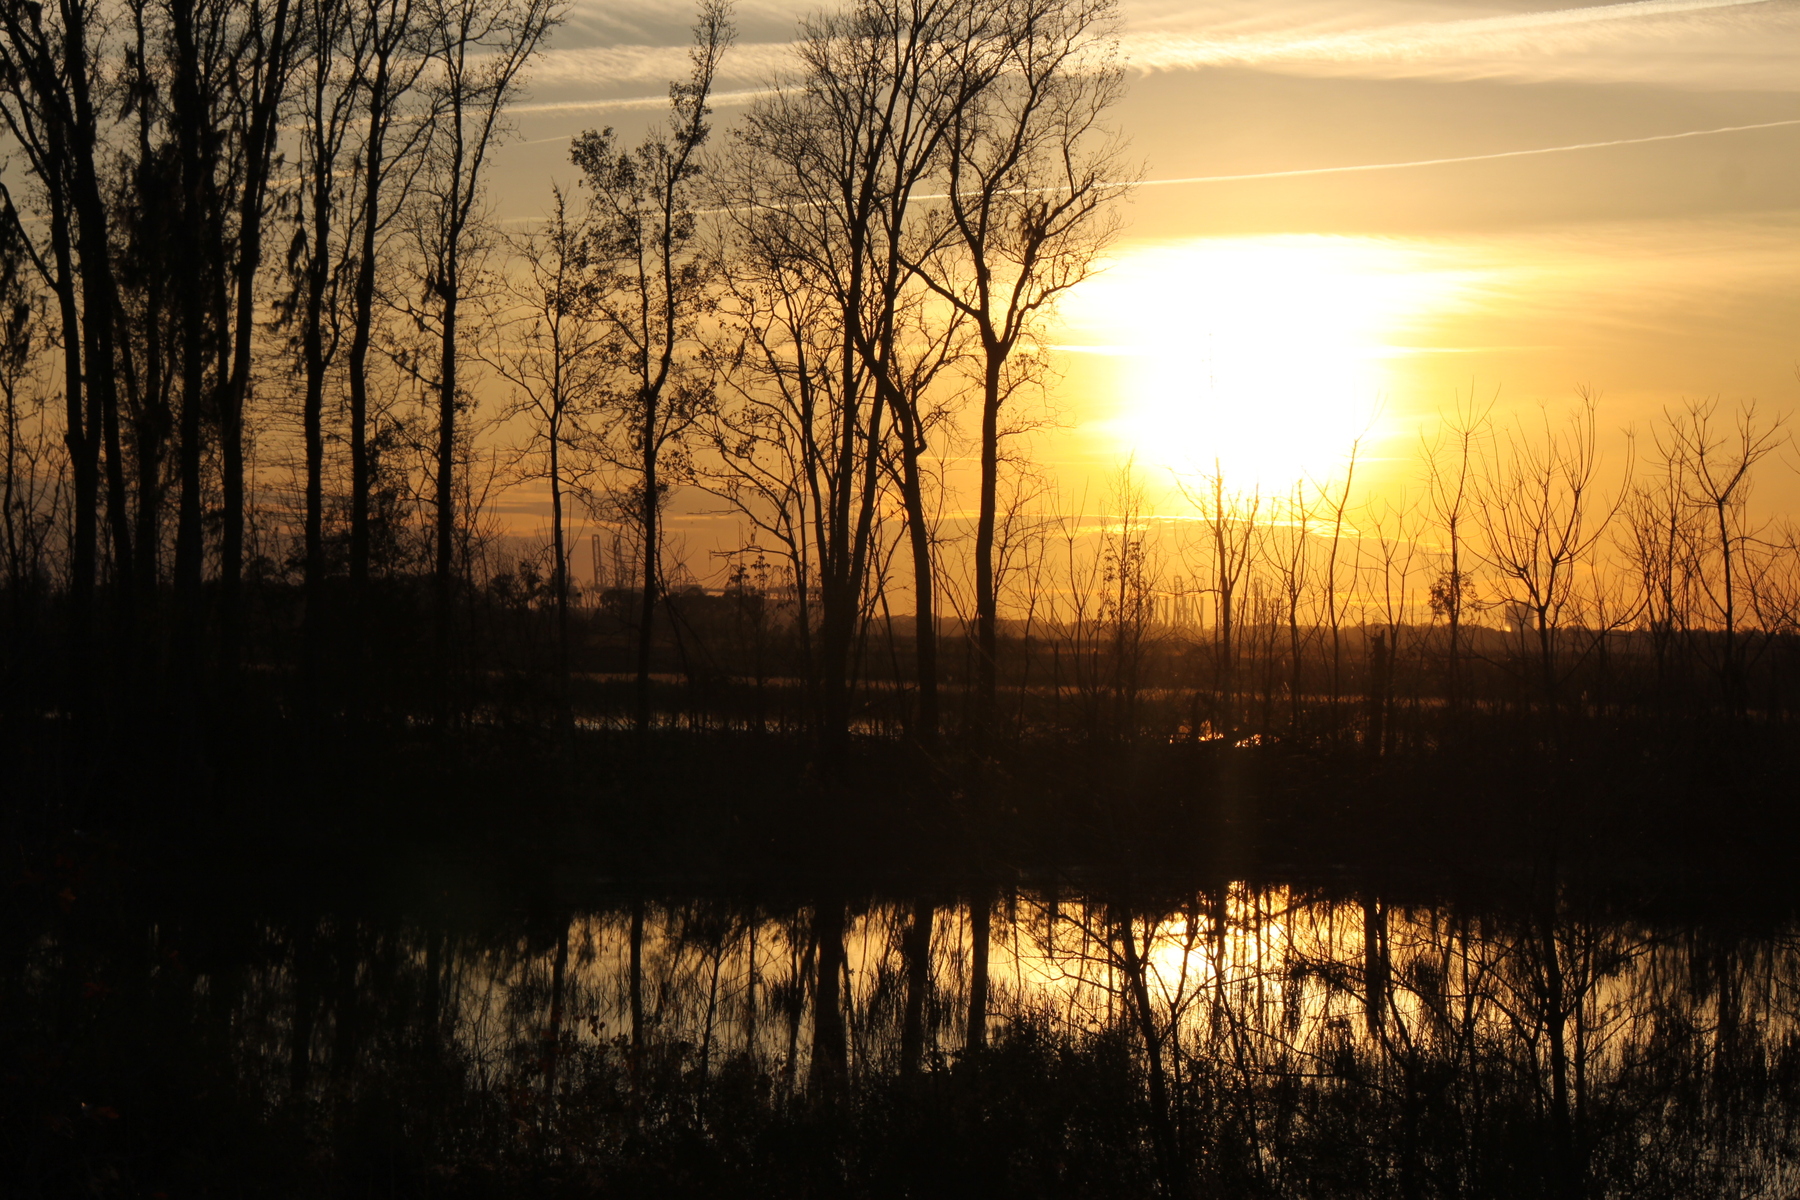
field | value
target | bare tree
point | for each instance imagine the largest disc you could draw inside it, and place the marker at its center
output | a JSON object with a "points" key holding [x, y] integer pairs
{"points": [[319, 257], [1291, 559], [262, 61], [762, 431], [1229, 522], [1541, 519], [28, 493], [1390, 538], [824, 175], [913, 351], [54, 96], [386, 163], [1128, 606], [1658, 540], [479, 52], [1334, 609], [1450, 461], [1032, 172], [652, 283], [547, 352], [1715, 464]]}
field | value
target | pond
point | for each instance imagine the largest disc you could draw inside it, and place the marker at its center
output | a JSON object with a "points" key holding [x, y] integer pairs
{"points": [[1053, 1038]]}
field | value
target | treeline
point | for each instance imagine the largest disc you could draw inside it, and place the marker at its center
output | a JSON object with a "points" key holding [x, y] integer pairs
{"points": [[224, 218], [261, 329], [269, 364], [1512, 582], [1511, 577]]}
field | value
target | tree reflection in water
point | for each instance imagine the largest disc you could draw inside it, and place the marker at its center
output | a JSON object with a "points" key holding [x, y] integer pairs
{"points": [[1240, 1041]]}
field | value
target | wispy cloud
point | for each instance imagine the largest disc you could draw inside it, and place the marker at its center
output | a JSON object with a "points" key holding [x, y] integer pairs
{"points": [[638, 66], [1694, 43], [1739, 43], [629, 103]]}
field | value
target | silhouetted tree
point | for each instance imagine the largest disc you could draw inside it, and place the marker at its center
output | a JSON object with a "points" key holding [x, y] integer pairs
{"points": [[651, 285], [479, 52], [1031, 173], [548, 354]]}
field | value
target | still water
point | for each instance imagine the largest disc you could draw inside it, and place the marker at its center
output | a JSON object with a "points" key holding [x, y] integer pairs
{"points": [[1239, 1040]]}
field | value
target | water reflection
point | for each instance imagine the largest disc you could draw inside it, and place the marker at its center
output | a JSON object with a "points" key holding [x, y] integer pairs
{"points": [[1240, 1041]]}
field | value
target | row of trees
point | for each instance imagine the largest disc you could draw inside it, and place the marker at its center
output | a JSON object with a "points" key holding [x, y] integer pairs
{"points": [[1515, 570], [204, 197], [1512, 570], [798, 323], [258, 255]]}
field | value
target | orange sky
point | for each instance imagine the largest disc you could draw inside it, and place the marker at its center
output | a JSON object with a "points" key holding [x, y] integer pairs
{"points": [[1267, 321]]}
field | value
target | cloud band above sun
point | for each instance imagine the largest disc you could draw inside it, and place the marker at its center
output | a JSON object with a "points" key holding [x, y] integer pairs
{"points": [[1681, 43]]}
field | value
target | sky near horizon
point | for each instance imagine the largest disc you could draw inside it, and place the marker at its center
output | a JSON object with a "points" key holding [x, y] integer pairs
{"points": [[1353, 213]]}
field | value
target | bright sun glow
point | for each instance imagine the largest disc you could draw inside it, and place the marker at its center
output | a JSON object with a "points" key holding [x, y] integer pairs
{"points": [[1268, 355]]}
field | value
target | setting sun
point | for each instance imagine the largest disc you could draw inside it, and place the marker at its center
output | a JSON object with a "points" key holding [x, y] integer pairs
{"points": [[1265, 355]]}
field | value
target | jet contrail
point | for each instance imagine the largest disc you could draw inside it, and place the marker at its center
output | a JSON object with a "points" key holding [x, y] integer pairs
{"points": [[1433, 162], [715, 100], [1392, 166]]}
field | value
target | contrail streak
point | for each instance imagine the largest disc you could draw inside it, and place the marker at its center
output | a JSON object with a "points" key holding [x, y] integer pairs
{"points": [[715, 100], [1463, 158], [1393, 166]]}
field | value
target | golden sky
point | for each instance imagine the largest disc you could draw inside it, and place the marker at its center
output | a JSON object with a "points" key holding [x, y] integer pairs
{"points": [[1267, 321]]}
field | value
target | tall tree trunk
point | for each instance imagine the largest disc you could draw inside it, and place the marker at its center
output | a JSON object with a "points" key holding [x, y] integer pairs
{"points": [[362, 305], [99, 303], [235, 393], [231, 523], [194, 287], [189, 548], [118, 518], [312, 421], [844, 553], [73, 149], [83, 539], [925, 645], [987, 616], [559, 578], [444, 574], [324, 126], [648, 514], [150, 434]]}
